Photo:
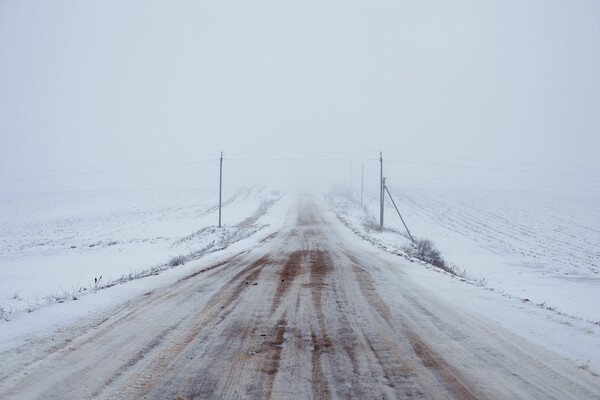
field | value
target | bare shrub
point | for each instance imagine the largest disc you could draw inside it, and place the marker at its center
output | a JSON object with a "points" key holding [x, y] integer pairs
{"points": [[425, 250], [175, 261]]}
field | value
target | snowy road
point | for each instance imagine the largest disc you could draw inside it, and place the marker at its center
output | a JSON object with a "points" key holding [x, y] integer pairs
{"points": [[309, 313]]}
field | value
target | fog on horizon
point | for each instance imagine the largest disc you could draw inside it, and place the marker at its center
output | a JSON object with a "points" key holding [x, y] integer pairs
{"points": [[299, 94]]}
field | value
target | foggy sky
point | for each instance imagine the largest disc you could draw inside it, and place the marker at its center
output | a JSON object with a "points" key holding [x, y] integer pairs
{"points": [[491, 94]]}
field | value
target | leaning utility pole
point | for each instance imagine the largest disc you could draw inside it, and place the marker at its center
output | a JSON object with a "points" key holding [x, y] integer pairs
{"points": [[362, 184], [220, 186], [381, 190]]}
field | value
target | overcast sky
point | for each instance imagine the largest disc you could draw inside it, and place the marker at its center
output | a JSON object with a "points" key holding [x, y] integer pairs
{"points": [[456, 93]]}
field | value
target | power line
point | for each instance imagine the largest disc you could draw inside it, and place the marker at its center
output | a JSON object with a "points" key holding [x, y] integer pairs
{"points": [[490, 161], [492, 168], [295, 153], [77, 171], [298, 159]]}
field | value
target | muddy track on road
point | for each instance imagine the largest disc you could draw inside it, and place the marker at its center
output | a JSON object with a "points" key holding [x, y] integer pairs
{"points": [[301, 316]]}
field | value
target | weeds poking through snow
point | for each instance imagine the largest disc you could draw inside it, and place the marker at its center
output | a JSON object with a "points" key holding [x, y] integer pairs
{"points": [[224, 237], [175, 261], [97, 283], [368, 229], [425, 250], [60, 297]]}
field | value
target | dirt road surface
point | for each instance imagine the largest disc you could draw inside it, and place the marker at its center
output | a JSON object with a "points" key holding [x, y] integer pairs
{"points": [[306, 314]]}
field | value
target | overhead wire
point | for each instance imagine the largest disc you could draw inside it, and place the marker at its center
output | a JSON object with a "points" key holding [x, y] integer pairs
{"points": [[489, 168], [99, 169], [340, 156], [489, 161]]}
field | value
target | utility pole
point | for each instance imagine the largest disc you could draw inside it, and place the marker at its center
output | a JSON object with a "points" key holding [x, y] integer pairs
{"points": [[220, 186], [362, 184], [380, 190], [382, 201]]}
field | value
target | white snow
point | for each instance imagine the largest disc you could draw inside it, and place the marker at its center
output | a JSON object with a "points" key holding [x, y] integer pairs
{"points": [[54, 246], [37, 234], [58, 317], [532, 258]]}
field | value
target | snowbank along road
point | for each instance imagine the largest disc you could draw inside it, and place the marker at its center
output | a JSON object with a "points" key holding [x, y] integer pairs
{"points": [[309, 313]]}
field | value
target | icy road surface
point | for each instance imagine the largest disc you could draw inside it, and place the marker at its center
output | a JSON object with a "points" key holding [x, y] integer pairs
{"points": [[308, 313]]}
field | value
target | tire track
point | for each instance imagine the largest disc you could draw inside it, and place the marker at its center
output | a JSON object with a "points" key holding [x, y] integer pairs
{"points": [[300, 316]]}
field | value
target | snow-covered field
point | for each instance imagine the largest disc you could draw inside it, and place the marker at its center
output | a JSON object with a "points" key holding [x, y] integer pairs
{"points": [[55, 247], [61, 243], [543, 247], [533, 259], [539, 251]]}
